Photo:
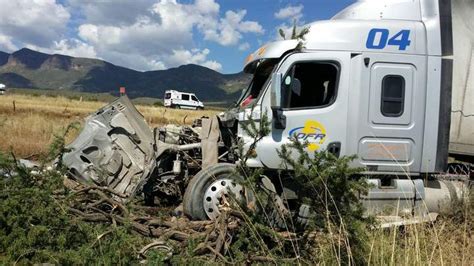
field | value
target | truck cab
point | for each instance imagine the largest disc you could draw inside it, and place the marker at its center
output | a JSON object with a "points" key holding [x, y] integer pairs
{"points": [[373, 81]]}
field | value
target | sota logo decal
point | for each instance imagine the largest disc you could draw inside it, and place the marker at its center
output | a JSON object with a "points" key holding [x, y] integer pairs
{"points": [[313, 132]]}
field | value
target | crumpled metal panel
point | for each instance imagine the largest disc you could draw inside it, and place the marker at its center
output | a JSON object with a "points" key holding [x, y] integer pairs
{"points": [[114, 149], [210, 134]]}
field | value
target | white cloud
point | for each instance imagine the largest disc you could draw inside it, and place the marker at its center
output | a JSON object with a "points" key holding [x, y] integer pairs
{"points": [[290, 12], [251, 26], [187, 57], [140, 34], [212, 64], [111, 12], [194, 56], [155, 65], [164, 36], [6, 44], [69, 47], [89, 32], [74, 47], [207, 6], [228, 30], [244, 46], [133, 61], [36, 22], [144, 37]]}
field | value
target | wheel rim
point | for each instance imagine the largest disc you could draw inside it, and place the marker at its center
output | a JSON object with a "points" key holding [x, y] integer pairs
{"points": [[215, 193]]}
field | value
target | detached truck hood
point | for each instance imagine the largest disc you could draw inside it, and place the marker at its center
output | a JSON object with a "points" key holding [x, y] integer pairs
{"points": [[114, 149]]}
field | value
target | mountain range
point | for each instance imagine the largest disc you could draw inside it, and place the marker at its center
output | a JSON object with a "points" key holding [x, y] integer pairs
{"points": [[26, 68]]}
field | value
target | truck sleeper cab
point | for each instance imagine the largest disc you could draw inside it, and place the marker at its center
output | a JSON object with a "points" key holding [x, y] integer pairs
{"points": [[185, 100]]}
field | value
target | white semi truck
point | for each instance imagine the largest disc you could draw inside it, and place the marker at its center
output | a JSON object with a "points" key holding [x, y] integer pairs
{"points": [[376, 81]]}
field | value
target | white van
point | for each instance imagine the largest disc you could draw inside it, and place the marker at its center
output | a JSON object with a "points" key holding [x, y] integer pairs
{"points": [[185, 100], [3, 89]]}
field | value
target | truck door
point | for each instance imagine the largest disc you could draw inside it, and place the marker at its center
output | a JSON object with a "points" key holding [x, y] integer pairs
{"points": [[391, 113], [315, 113]]}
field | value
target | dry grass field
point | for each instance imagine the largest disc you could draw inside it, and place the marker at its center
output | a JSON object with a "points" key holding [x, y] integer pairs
{"points": [[28, 123]]}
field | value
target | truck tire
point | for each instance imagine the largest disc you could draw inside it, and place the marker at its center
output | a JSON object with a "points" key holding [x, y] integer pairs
{"points": [[205, 190], [177, 107]]}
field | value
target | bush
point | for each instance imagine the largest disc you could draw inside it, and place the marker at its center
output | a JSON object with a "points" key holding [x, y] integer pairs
{"points": [[35, 226], [337, 230], [331, 188]]}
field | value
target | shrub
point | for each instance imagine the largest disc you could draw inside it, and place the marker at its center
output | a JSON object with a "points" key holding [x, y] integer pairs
{"points": [[337, 230]]}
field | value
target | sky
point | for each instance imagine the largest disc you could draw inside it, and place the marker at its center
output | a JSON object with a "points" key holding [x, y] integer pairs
{"points": [[155, 34]]}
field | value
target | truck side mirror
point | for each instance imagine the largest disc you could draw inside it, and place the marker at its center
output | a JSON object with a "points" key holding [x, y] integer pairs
{"points": [[276, 89], [279, 119]]}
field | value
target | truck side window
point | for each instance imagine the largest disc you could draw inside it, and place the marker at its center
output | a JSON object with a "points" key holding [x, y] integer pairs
{"points": [[194, 98], [185, 97], [318, 85], [393, 96]]}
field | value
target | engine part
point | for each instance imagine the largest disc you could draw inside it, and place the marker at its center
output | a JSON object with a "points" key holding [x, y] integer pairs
{"points": [[177, 165]]}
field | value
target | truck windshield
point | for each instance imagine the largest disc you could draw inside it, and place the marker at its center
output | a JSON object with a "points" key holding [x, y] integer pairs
{"points": [[260, 77], [167, 95]]}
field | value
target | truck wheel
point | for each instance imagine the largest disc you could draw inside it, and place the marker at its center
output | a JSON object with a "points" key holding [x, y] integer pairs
{"points": [[177, 107], [207, 188]]}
